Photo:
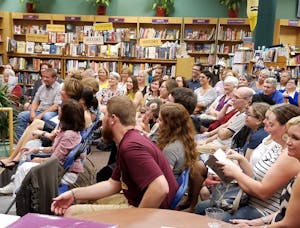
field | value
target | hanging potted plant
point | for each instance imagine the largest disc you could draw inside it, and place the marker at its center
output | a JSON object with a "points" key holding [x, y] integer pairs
{"points": [[101, 5], [163, 7], [30, 5], [232, 6]]}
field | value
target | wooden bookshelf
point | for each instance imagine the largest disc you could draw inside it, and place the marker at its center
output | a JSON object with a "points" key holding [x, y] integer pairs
{"points": [[4, 32], [131, 34], [287, 32], [200, 36], [231, 33]]}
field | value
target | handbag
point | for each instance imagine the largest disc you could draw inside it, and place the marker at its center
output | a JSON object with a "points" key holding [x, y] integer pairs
{"points": [[228, 196]]}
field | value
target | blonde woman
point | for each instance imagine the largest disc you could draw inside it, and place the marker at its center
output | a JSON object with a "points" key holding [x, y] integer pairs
{"points": [[103, 78]]}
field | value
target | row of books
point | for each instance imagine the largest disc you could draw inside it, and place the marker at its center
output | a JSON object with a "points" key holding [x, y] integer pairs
{"points": [[115, 36], [124, 49], [26, 78], [92, 50], [29, 29], [226, 49], [201, 48], [138, 67], [206, 60], [232, 34], [168, 34], [295, 60], [242, 57], [29, 47], [76, 64], [33, 64], [191, 34]]}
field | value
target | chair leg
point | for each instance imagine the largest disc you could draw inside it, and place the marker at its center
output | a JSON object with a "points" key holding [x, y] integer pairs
{"points": [[10, 206]]}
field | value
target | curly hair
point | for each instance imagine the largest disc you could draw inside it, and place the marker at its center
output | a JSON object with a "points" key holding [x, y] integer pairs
{"points": [[176, 124]]}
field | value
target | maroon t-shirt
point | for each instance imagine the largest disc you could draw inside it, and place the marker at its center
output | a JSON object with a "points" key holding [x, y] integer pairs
{"points": [[139, 162]]}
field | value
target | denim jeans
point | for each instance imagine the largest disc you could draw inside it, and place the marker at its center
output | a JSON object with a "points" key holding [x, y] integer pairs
{"points": [[24, 119], [245, 212]]}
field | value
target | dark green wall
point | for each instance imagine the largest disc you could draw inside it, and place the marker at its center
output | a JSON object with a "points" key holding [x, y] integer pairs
{"points": [[286, 9], [183, 8]]}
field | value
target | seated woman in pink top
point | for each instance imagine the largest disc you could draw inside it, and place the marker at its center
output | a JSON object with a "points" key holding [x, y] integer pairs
{"points": [[71, 123]]}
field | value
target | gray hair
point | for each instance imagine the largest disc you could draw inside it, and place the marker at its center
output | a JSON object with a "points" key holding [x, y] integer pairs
{"points": [[265, 72], [232, 80], [271, 81], [115, 75]]}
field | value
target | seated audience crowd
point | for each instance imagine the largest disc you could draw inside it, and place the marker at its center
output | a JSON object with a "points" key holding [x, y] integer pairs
{"points": [[157, 127]]}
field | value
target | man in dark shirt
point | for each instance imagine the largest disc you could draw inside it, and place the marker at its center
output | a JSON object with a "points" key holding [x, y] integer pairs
{"points": [[142, 171], [194, 82]]}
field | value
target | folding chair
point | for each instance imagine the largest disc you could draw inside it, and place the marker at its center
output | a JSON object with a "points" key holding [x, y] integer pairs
{"points": [[38, 188], [183, 181]]}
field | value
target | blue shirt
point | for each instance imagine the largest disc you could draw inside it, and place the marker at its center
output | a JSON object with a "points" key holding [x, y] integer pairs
{"points": [[255, 139], [292, 100], [277, 97], [194, 84]]}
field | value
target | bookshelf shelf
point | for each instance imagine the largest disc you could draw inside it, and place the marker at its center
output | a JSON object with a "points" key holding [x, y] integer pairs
{"points": [[231, 41], [39, 56], [199, 41], [122, 45], [200, 36], [4, 32], [200, 53]]}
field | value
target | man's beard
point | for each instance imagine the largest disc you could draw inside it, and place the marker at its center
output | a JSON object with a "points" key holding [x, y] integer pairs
{"points": [[107, 134]]}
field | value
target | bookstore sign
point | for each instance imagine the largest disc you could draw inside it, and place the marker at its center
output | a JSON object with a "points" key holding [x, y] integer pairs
{"points": [[93, 40], [150, 42], [40, 38], [103, 26], [55, 28]]}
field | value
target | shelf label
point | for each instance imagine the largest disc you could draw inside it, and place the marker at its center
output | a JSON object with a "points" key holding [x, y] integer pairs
{"points": [[55, 28], [200, 21], [160, 21], [103, 26], [293, 22], [116, 20], [40, 38], [70, 18], [30, 17], [150, 42], [235, 22], [93, 40]]}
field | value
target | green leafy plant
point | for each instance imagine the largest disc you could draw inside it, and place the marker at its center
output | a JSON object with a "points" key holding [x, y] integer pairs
{"points": [[231, 4], [100, 2], [168, 5], [6, 100], [34, 2]]}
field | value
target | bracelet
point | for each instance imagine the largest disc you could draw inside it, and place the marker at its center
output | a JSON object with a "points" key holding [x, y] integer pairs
{"points": [[41, 149], [74, 198]]}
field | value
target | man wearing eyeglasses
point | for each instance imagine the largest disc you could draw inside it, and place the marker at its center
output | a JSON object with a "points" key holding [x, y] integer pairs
{"points": [[194, 82], [222, 136]]}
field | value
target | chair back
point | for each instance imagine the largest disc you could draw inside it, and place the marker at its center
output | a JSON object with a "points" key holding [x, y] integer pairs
{"points": [[183, 181]]}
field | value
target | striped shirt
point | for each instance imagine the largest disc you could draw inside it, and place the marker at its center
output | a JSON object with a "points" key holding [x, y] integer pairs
{"points": [[284, 200], [271, 204]]}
